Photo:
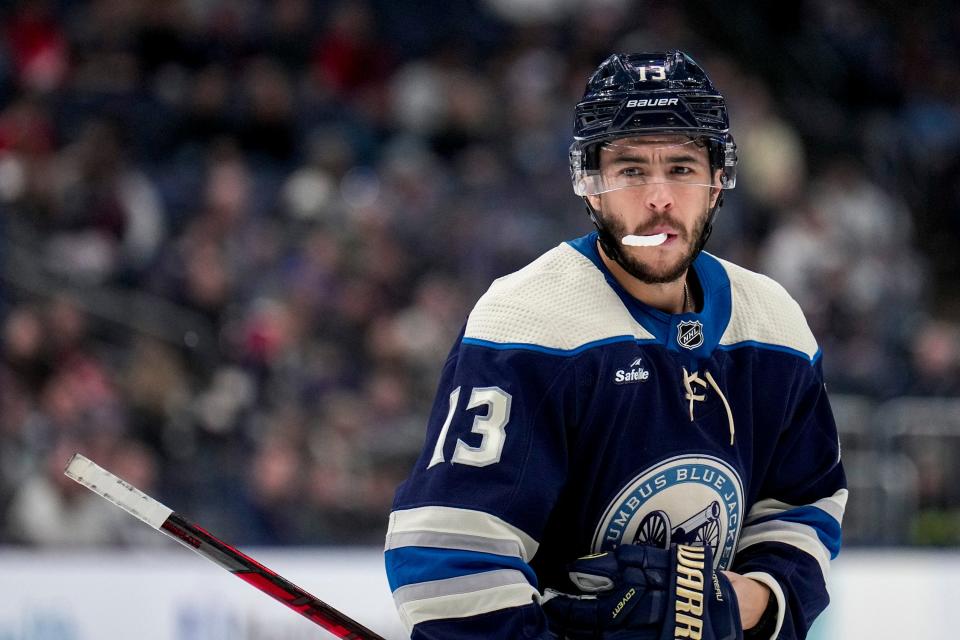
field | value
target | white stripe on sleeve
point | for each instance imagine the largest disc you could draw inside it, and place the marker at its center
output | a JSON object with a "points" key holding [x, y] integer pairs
{"points": [[794, 534], [833, 505], [466, 604], [416, 527]]}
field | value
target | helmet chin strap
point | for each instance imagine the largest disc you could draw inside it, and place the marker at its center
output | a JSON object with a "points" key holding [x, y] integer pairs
{"points": [[609, 244], [708, 227]]}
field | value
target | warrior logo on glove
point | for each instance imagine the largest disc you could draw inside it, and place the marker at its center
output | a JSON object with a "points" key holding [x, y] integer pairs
{"points": [[642, 593], [688, 595]]}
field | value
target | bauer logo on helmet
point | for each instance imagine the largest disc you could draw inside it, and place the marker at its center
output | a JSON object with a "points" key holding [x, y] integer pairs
{"points": [[661, 102]]}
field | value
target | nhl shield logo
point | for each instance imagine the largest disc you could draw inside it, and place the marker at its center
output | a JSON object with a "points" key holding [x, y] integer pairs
{"points": [[690, 334]]}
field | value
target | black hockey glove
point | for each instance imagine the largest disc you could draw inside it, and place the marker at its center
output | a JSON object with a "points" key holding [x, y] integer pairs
{"points": [[645, 593]]}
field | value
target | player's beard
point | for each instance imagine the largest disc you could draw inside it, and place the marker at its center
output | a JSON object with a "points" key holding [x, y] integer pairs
{"points": [[614, 230]]}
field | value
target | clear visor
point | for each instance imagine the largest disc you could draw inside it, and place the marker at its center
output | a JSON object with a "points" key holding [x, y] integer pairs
{"points": [[636, 162]]}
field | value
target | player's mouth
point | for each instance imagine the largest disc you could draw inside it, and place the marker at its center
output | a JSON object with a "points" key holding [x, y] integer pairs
{"points": [[658, 237]]}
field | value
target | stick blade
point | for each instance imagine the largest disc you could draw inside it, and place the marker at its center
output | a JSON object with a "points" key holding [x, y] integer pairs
{"points": [[118, 491]]}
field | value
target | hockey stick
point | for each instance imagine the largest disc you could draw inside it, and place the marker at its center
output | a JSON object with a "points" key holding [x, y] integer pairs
{"points": [[140, 505]]}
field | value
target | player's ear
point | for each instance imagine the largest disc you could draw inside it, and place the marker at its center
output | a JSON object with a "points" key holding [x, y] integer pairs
{"points": [[594, 202], [714, 194], [716, 189]]}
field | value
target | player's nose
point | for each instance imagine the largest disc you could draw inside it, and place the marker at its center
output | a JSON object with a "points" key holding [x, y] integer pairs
{"points": [[658, 196]]}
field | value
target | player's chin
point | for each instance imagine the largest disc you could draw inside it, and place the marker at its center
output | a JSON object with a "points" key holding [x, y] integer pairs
{"points": [[654, 273], [667, 267]]}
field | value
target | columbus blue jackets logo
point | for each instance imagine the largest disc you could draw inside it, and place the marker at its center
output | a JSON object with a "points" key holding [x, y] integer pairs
{"points": [[683, 500], [690, 334]]}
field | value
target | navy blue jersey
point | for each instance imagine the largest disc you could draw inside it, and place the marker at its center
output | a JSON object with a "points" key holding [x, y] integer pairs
{"points": [[572, 418]]}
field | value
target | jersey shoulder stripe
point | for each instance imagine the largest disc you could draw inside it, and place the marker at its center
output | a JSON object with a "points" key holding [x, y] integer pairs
{"points": [[558, 303], [764, 315]]}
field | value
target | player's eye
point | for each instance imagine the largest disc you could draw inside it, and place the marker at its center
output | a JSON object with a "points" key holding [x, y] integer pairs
{"points": [[680, 170], [631, 172]]}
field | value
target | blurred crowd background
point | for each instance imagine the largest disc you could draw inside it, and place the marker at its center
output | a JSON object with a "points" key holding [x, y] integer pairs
{"points": [[238, 237]]}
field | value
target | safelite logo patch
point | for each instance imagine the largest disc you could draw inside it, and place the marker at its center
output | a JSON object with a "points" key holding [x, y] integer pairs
{"points": [[634, 373]]}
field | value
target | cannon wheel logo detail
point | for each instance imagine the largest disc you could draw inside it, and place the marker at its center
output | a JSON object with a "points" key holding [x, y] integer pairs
{"points": [[683, 500], [690, 334]]}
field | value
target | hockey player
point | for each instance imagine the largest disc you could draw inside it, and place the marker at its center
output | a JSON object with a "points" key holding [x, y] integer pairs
{"points": [[631, 437]]}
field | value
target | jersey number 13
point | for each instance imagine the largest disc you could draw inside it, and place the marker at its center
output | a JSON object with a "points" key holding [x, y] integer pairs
{"points": [[492, 428]]}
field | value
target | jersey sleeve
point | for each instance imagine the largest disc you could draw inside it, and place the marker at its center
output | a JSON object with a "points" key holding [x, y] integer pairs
{"points": [[466, 523], [792, 530]]}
